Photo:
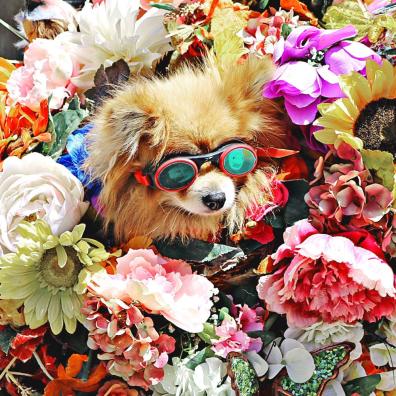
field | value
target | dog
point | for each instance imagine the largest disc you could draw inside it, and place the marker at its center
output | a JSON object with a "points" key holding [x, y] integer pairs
{"points": [[194, 111]]}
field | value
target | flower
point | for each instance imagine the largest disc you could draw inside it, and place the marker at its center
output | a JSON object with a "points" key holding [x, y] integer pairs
{"points": [[208, 377], [46, 74], [178, 380], [25, 343], [74, 160], [35, 186], [383, 355], [366, 116], [127, 341], [291, 354], [52, 274], [116, 388], [232, 339], [328, 56], [67, 383], [110, 31], [323, 334], [168, 288], [327, 278]]}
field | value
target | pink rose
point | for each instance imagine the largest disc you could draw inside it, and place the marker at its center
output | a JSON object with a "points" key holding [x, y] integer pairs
{"points": [[160, 286], [329, 278], [47, 72]]}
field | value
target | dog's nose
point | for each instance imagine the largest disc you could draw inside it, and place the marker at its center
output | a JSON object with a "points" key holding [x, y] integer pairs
{"points": [[214, 201]]}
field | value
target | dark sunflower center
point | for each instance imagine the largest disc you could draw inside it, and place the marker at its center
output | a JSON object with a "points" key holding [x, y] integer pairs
{"points": [[56, 276], [376, 125]]}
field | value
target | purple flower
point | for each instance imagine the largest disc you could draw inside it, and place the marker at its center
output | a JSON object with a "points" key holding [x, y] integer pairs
{"points": [[311, 60]]}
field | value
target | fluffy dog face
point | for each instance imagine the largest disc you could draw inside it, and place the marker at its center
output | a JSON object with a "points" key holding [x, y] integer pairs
{"points": [[190, 113]]}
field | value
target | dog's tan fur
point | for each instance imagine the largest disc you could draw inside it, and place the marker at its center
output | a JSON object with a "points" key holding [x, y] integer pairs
{"points": [[194, 111]]}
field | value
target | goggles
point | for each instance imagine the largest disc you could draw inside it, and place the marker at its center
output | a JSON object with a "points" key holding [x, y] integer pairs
{"points": [[178, 173]]}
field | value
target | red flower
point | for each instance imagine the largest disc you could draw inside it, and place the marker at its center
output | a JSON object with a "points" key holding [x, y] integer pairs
{"points": [[260, 232], [26, 342]]}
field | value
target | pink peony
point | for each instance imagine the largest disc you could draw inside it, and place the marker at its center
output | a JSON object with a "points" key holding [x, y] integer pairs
{"points": [[47, 72], [233, 339], [160, 286], [328, 278]]}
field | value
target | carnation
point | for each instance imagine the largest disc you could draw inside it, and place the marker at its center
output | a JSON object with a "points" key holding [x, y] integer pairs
{"points": [[33, 187], [46, 73], [327, 278], [165, 287]]}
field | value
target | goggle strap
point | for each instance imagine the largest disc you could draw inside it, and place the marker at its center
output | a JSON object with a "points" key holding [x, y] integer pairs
{"points": [[142, 179]]}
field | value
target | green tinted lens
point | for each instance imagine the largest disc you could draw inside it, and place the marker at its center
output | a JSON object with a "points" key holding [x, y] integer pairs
{"points": [[239, 161], [176, 175]]}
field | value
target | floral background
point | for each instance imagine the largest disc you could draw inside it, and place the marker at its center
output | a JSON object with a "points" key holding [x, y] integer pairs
{"points": [[300, 301]]}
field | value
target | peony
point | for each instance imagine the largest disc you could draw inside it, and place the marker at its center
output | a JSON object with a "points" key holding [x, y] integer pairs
{"points": [[110, 31], [33, 187], [327, 278], [47, 72], [168, 288]]}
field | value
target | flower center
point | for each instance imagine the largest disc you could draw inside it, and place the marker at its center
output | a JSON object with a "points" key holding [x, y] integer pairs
{"points": [[376, 125], [56, 276]]}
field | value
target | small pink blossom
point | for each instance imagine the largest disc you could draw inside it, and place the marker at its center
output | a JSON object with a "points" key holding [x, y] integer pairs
{"points": [[328, 278], [232, 339]]}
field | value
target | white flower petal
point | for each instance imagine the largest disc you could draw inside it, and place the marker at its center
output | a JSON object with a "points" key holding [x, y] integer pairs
{"points": [[258, 363], [388, 381], [299, 365]]}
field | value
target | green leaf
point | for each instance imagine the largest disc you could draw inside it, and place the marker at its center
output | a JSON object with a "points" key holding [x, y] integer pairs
{"points": [[296, 208], [196, 250], [199, 358], [363, 385], [263, 4], [285, 31], [6, 337], [266, 336], [208, 334], [224, 313], [246, 294], [61, 125], [381, 163]]}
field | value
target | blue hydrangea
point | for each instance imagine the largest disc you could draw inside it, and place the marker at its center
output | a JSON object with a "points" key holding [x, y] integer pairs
{"points": [[74, 159]]}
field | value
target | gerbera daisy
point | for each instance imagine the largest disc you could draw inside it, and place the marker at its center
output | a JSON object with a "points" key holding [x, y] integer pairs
{"points": [[50, 274], [367, 116]]}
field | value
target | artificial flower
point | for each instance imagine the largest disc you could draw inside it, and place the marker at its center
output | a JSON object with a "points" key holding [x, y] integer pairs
{"points": [[127, 341], [388, 329], [323, 334], [232, 339], [116, 388], [327, 278], [383, 355], [365, 118], [165, 287], [112, 30], [66, 382], [388, 381], [36, 187], [52, 274], [74, 160], [178, 380], [25, 343], [46, 74], [328, 56], [292, 355], [209, 378]]}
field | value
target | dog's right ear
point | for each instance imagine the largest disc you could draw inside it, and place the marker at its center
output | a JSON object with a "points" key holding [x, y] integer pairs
{"points": [[118, 127]]}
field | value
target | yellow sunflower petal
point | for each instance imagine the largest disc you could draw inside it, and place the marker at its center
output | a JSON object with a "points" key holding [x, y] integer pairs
{"points": [[67, 305], [326, 136], [356, 88], [42, 304], [70, 324], [353, 141]]}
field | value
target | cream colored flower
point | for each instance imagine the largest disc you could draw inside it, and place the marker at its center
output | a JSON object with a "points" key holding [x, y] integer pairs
{"points": [[36, 187], [49, 274], [111, 31]]}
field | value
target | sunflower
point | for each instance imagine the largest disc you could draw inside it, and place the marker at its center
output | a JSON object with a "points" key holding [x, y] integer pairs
{"points": [[367, 116], [49, 274]]}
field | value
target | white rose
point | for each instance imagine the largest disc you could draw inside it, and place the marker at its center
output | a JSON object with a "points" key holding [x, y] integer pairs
{"points": [[37, 187]]}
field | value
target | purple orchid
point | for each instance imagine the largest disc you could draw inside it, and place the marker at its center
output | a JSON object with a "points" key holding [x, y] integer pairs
{"points": [[311, 60]]}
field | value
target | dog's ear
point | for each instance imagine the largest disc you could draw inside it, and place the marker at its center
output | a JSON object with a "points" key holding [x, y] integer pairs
{"points": [[118, 127]]}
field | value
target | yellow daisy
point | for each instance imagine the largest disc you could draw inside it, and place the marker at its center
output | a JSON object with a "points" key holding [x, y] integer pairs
{"points": [[367, 116], [49, 274]]}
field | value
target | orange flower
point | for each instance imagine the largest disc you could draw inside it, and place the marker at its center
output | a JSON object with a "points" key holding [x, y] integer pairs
{"points": [[6, 68], [293, 168], [300, 9], [66, 384]]}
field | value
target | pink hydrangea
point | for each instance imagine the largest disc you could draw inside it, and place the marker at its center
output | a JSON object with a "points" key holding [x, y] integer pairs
{"points": [[127, 341], [160, 286], [233, 339], [47, 72], [328, 278]]}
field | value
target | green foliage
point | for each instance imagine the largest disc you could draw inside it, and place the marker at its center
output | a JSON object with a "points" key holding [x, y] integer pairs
{"points": [[61, 125], [296, 208], [364, 386], [6, 337], [199, 358], [208, 334]]}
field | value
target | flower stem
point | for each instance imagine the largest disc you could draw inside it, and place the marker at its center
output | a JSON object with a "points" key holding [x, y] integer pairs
{"points": [[9, 365], [42, 366]]}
